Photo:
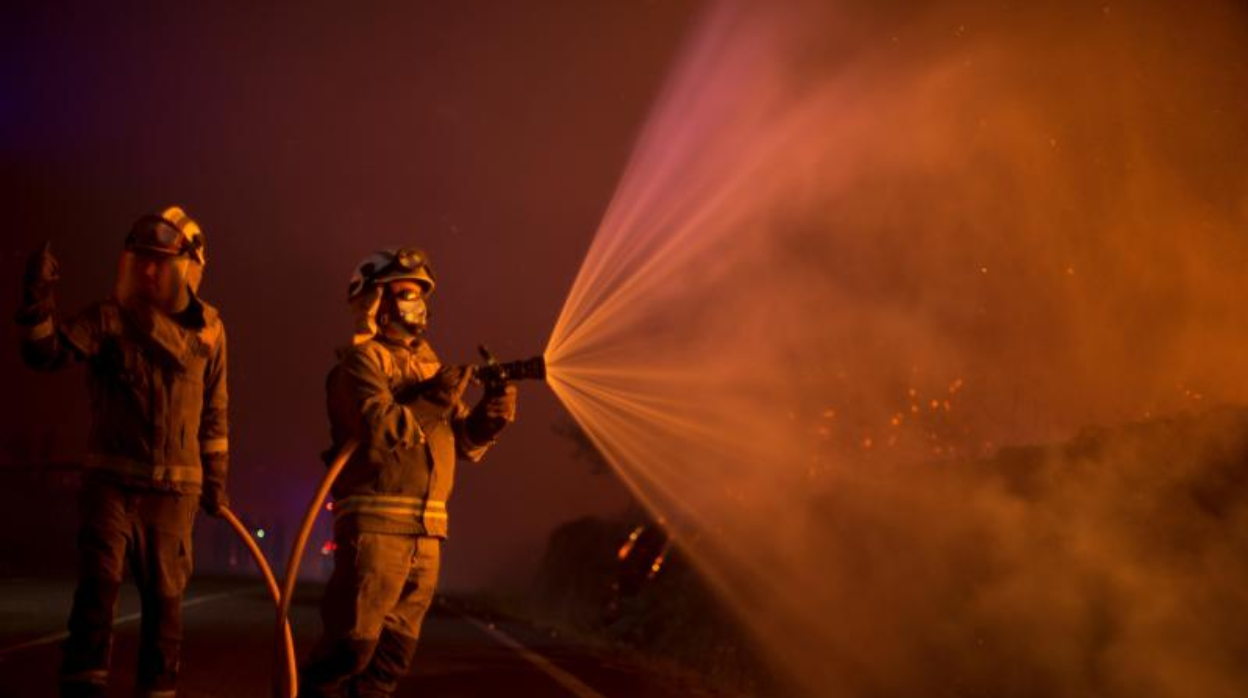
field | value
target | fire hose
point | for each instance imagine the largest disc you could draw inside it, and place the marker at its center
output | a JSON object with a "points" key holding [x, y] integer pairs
{"points": [[287, 649], [289, 688]]}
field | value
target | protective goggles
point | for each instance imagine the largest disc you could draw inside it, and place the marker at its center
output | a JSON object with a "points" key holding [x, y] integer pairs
{"points": [[411, 260], [155, 234], [406, 260]]}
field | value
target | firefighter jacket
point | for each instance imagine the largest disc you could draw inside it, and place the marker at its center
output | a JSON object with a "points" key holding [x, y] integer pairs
{"points": [[158, 391], [384, 394]]}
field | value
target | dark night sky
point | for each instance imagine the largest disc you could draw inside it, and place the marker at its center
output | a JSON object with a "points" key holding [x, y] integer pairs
{"points": [[492, 134]]}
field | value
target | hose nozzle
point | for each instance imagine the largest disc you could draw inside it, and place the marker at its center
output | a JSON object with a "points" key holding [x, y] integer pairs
{"points": [[494, 375]]}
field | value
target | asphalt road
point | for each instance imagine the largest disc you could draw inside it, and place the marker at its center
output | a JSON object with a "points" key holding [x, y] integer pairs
{"points": [[228, 649]]}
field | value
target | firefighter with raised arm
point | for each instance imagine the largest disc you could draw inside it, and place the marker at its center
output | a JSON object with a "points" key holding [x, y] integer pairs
{"points": [[155, 358], [390, 393]]}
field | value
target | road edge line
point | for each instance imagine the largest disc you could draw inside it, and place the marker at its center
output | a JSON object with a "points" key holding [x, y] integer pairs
{"points": [[128, 618], [565, 679]]}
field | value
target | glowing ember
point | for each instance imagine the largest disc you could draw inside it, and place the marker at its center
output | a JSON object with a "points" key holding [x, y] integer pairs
{"points": [[627, 549]]}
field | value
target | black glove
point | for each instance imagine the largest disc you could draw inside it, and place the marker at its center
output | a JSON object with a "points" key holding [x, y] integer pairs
{"points": [[213, 497], [448, 386], [492, 414], [42, 273], [442, 392]]}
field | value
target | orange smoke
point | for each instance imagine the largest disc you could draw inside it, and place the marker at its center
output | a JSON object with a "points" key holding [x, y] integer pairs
{"points": [[852, 242]]}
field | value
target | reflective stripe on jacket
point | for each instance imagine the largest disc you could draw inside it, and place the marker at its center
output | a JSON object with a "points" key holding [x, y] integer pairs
{"points": [[428, 513]]}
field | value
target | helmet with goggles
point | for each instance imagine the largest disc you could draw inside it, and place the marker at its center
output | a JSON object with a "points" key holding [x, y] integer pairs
{"points": [[170, 233], [163, 261], [384, 266], [364, 293]]}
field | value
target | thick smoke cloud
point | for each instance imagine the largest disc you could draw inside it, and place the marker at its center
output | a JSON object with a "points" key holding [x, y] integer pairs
{"points": [[855, 250]]}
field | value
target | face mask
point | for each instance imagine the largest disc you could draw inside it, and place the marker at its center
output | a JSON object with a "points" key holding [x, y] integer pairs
{"points": [[410, 313]]}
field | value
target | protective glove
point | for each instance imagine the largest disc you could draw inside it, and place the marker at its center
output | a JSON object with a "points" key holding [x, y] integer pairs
{"points": [[42, 273], [213, 497], [492, 414], [433, 401], [441, 392], [447, 387]]}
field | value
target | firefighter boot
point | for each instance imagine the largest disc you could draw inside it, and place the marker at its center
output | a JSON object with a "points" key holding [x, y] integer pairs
{"points": [[160, 640], [329, 673], [84, 671], [391, 661]]}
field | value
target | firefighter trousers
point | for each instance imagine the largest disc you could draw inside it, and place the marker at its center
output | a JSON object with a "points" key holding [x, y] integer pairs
{"points": [[374, 604], [151, 532]]}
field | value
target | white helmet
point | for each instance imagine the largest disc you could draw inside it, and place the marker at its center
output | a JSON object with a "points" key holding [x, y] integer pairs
{"points": [[175, 243], [381, 267]]}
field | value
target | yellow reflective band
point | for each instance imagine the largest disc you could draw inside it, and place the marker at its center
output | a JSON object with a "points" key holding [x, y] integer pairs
{"points": [[153, 471], [382, 506], [353, 506], [390, 499], [215, 446], [383, 498], [43, 330], [401, 513], [395, 507]]}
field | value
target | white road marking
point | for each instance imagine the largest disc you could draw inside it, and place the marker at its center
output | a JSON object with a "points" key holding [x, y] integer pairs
{"points": [[574, 685], [128, 618]]}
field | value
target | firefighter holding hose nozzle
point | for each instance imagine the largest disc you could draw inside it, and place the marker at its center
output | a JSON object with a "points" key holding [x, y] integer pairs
{"points": [[158, 449], [390, 393]]}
